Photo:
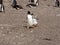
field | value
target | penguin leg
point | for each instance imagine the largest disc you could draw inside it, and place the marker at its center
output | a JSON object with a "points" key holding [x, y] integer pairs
{"points": [[3, 8]]}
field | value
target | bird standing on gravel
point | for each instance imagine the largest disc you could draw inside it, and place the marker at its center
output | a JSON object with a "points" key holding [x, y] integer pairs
{"points": [[33, 3], [32, 22], [14, 5]]}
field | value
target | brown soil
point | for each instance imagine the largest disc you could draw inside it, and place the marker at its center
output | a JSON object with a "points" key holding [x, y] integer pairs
{"points": [[12, 22]]}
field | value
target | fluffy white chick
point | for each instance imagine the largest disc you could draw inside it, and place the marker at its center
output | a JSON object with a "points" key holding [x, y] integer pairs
{"points": [[31, 21]]}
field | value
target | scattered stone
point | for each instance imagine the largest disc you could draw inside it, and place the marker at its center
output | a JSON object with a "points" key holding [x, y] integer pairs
{"points": [[1, 31], [16, 33], [17, 36], [37, 39], [48, 39], [22, 35], [31, 31], [10, 32], [25, 26], [2, 27], [14, 43], [3, 34]]}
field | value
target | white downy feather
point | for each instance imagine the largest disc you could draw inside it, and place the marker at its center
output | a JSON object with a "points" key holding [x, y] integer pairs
{"points": [[35, 22], [31, 20]]}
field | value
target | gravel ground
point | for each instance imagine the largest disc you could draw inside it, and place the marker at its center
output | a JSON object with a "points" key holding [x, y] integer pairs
{"points": [[12, 22]]}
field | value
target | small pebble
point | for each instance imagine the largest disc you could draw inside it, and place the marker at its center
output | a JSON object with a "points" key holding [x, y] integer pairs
{"points": [[37, 39], [22, 35], [3, 34], [16, 36], [14, 42], [31, 31], [10, 32], [16, 33], [2, 27], [48, 39], [1, 31]]}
